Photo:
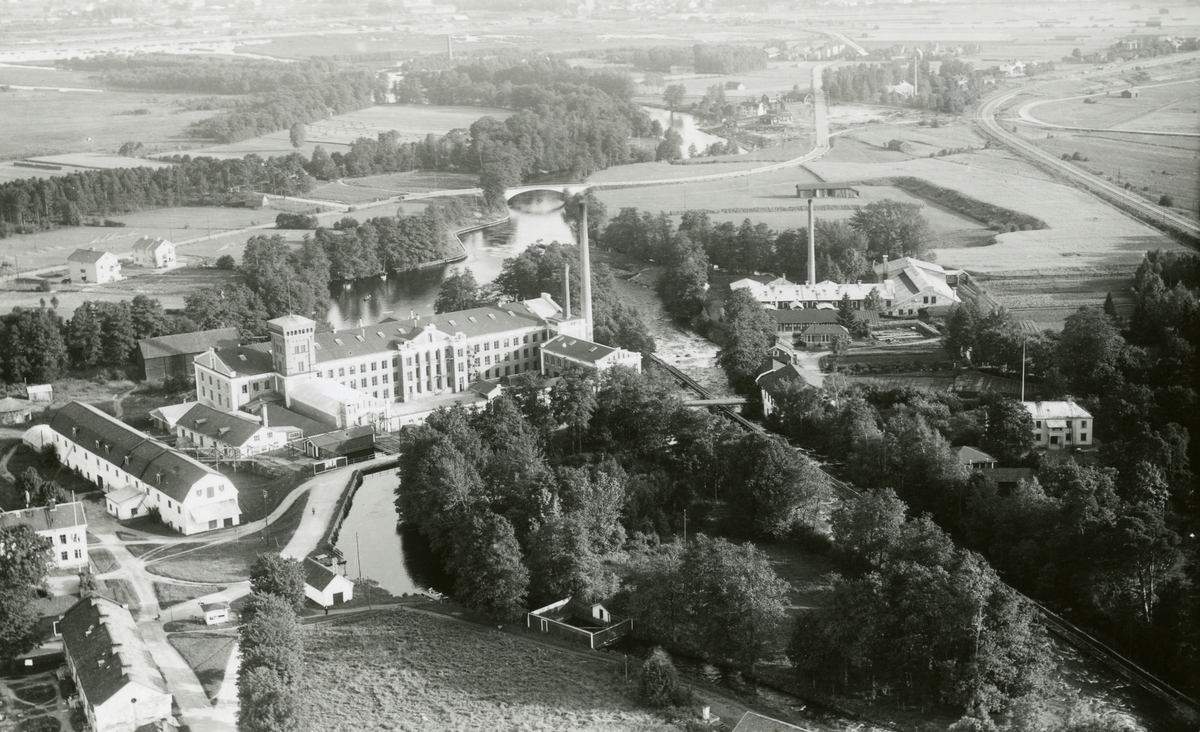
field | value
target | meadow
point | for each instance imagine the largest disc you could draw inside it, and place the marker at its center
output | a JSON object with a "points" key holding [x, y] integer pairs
{"points": [[400, 670], [1170, 108]]}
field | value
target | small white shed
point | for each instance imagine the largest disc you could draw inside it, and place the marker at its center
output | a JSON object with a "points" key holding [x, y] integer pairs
{"points": [[324, 586], [215, 613]]}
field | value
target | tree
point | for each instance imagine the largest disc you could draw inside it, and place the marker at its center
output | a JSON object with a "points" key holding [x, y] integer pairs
{"points": [[773, 489], [868, 527], [749, 333], [28, 485], [892, 228], [873, 301], [657, 681], [486, 561], [226, 262], [671, 147], [278, 575], [1091, 352], [297, 133], [24, 561], [149, 319], [673, 95], [1166, 200], [847, 318], [85, 337], [1009, 432], [459, 291], [572, 402], [266, 703]]}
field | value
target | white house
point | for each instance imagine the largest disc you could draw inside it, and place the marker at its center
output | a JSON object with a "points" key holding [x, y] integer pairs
{"points": [[142, 475], [325, 586], [90, 267], [119, 685], [561, 352], [903, 89], [153, 252], [64, 524], [227, 434], [1061, 424]]}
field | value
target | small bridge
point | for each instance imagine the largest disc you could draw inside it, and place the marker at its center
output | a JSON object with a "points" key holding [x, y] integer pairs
{"points": [[723, 402]]}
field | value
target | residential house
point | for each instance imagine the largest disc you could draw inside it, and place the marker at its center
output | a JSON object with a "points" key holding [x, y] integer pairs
{"points": [[775, 378], [562, 352], [64, 524], [324, 586], [1060, 424], [590, 623], [227, 434], [140, 474], [823, 334], [153, 253], [974, 458], [174, 355], [120, 688], [1012, 68], [90, 267]]}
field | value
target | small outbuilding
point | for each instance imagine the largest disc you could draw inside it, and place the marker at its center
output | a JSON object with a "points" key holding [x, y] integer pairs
{"points": [[215, 613], [324, 586], [900, 146], [1131, 93], [974, 458], [39, 392], [590, 623], [14, 411]]}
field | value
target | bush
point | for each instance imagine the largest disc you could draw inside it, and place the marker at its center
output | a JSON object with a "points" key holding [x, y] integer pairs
{"points": [[226, 261], [295, 221], [658, 682], [1166, 200]]}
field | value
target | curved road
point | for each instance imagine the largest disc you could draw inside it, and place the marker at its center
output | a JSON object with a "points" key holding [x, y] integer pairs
{"points": [[1110, 191]]}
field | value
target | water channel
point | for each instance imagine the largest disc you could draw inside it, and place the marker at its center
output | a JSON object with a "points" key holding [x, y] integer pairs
{"points": [[398, 559], [685, 125]]}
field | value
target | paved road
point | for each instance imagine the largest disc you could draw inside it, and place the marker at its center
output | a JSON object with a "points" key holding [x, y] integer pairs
{"points": [[989, 110]]}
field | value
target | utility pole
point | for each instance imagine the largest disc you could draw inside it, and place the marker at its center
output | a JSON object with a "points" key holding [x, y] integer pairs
{"points": [[685, 527], [358, 552], [266, 518]]}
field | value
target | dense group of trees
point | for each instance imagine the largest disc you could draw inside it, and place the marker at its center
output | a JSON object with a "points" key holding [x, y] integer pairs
{"points": [[36, 204], [523, 514], [952, 88], [26, 558], [1105, 537], [272, 647], [704, 57], [279, 94]]}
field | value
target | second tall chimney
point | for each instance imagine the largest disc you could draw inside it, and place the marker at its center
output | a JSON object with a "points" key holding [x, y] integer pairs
{"points": [[812, 243], [586, 272], [567, 291]]}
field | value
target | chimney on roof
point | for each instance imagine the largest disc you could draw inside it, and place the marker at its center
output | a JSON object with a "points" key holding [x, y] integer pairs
{"points": [[263, 414]]}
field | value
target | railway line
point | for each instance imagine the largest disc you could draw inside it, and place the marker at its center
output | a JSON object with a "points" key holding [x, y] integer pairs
{"points": [[1080, 639]]}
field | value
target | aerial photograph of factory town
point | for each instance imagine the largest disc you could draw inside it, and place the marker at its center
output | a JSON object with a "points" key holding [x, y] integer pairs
{"points": [[599, 366]]}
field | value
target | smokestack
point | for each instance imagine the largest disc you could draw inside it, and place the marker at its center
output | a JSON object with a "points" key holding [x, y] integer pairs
{"points": [[567, 291], [812, 242], [585, 256]]}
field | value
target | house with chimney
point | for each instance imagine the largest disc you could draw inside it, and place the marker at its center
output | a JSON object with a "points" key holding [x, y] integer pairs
{"points": [[153, 252], [63, 524], [230, 435], [92, 267], [120, 688], [324, 586]]}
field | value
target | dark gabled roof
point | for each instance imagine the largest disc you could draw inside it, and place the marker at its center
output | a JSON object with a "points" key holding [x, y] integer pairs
{"points": [[804, 315], [111, 439], [826, 329], [317, 575], [492, 319], [221, 426], [773, 381], [62, 516], [187, 343], [91, 256], [280, 416], [577, 348], [344, 442], [251, 360], [149, 244], [968, 455], [108, 652]]}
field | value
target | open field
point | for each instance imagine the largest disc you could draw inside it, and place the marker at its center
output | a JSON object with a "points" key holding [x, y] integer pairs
{"points": [[169, 594], [1151, 164], [412, 121], [399, 670], [37, 122], [1174, 108], [208, 655], [103, 561]]}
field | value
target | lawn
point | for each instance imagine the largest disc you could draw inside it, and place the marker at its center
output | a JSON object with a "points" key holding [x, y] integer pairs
{"points": [[230, 561], [136, 408], [169, 594], [121, 592], [103, 561], [399, 670], [207, 654], [26, 457], [1170, 108]]}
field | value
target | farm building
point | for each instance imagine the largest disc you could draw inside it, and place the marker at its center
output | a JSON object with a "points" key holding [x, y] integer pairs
{"points": [[588, 623], [324, 586], [153, 253], [39, 392], [64, 524], [826, 191], [173, 355], [13, 411], [142, 474], [90, 267], [1131, 93], [1060, 424], [119, 686], [900, 146]]}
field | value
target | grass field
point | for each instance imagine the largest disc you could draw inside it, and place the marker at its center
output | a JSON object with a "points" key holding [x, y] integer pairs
{"points": [[120, 591], [51, 122], [1173, 108], [103, 561], [231, 561], [398, 670], [207, 654], [169, 594]]}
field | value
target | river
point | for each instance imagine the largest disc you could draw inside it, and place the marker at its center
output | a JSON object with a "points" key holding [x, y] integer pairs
{"points": [[685, 125], [533, 217], [399, 561]]}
